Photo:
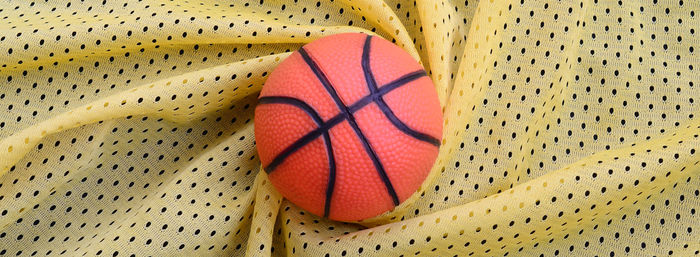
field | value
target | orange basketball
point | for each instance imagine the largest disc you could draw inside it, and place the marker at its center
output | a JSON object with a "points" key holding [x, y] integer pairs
{"points": [[348, 126]]}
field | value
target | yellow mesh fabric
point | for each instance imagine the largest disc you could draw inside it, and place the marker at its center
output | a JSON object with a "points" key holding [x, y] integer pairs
{"points": [[571, 128]]}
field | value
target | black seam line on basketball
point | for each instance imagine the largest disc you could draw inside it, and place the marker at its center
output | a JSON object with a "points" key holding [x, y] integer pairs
{"points": [[351, 120], [294, 102], [301, 142], [322, 78], [379, 100], [331, 174]]}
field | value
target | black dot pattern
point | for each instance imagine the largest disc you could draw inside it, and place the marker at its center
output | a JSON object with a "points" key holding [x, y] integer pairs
{"points": [[126, 128]]}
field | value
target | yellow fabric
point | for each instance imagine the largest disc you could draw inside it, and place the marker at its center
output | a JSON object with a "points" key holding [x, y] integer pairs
{"points": [[571, 128]]}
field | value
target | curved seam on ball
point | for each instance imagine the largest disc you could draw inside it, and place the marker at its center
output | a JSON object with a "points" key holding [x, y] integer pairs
{"points": [[304, 140], [331, 174], [379, 100]]}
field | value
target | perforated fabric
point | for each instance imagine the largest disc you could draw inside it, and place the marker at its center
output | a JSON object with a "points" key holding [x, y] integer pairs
{"points": [[571, 128]]}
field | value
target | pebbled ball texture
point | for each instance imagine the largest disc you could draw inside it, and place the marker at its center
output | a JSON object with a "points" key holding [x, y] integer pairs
{"points": [[348, 126]]}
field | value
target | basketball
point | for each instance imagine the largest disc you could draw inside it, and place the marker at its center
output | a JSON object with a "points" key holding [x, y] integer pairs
{"points": [[348, 126]]}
